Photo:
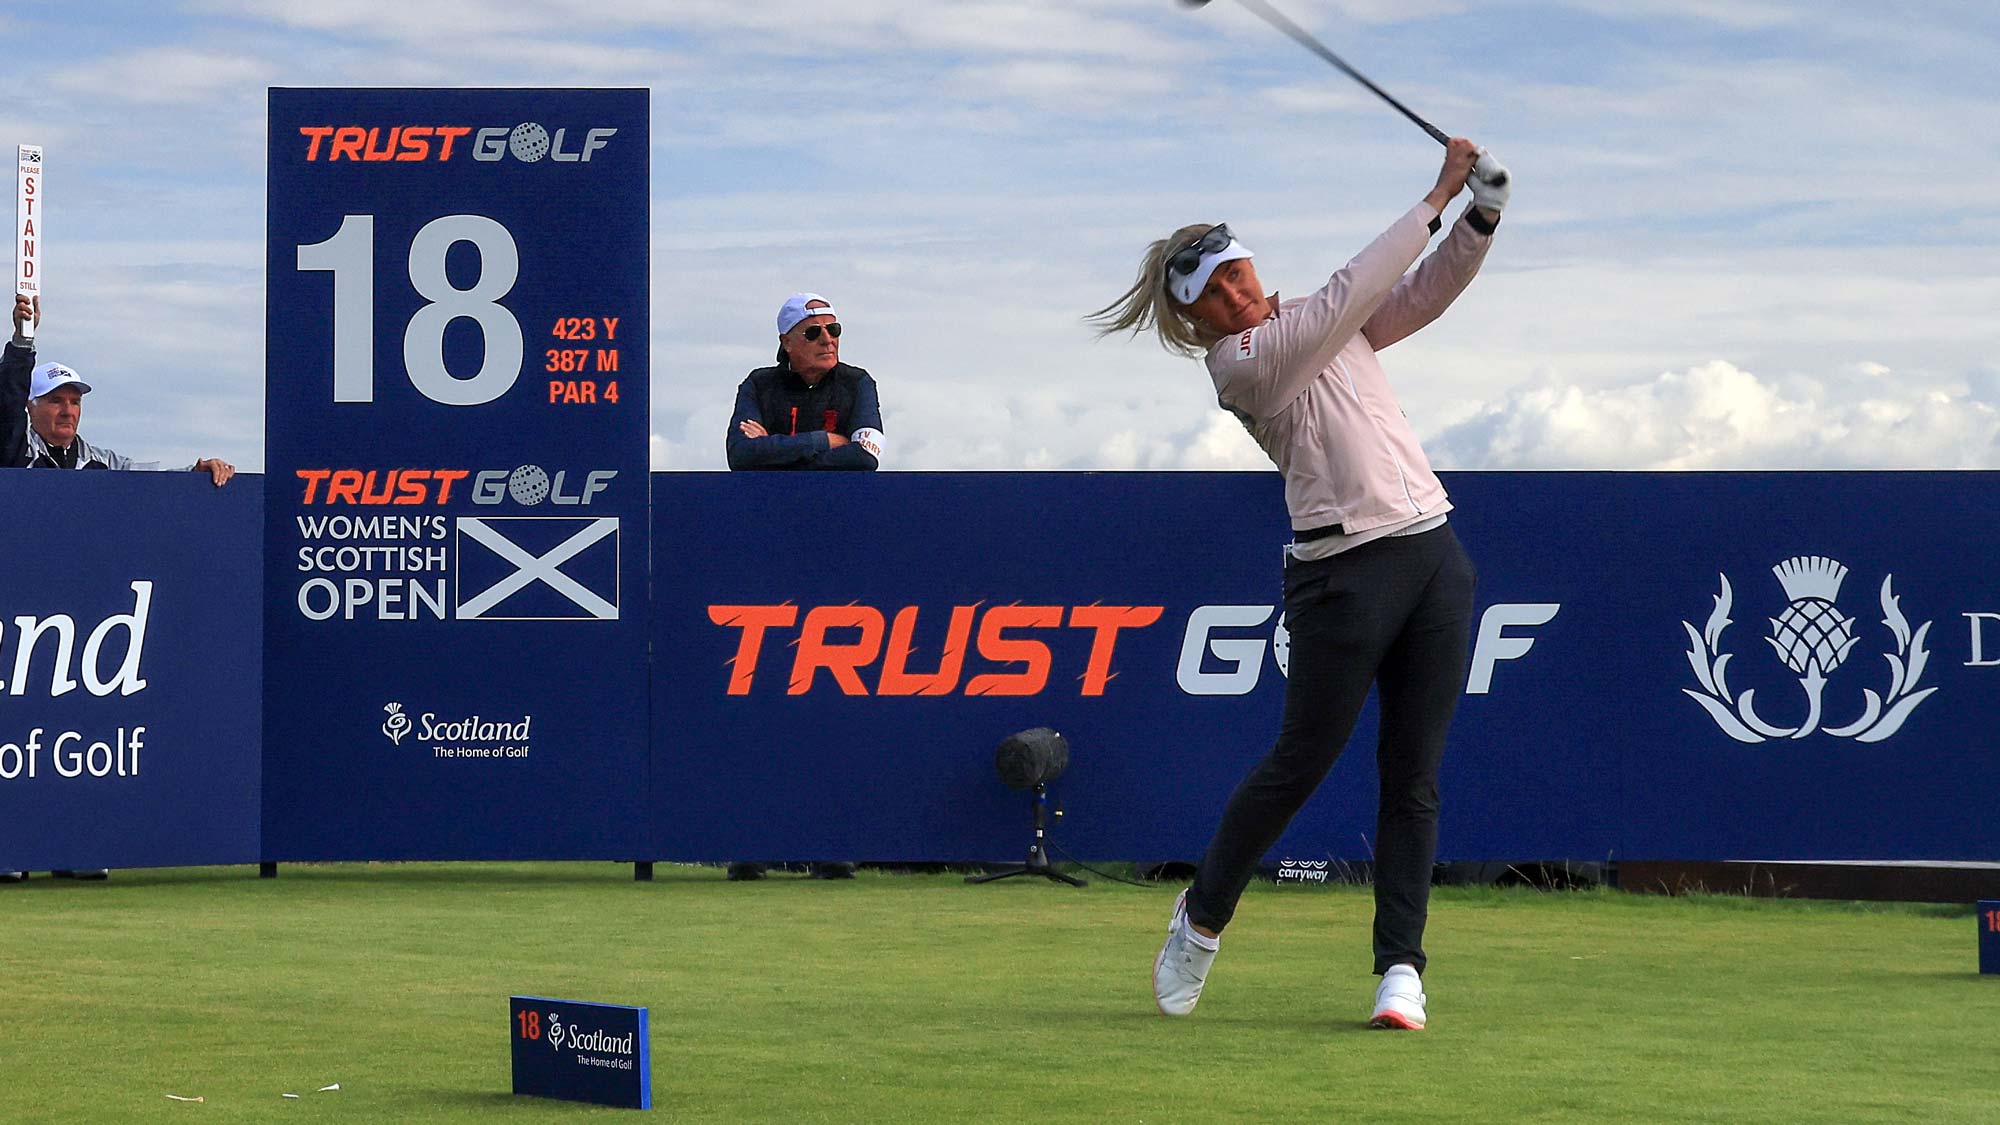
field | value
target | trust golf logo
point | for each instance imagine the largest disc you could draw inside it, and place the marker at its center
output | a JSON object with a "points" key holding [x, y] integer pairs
{"points": [[397, 725], [1813, 639], [529, 142]]}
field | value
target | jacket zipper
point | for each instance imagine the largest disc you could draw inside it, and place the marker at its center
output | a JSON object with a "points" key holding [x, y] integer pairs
{"points": [[1402, 477]]}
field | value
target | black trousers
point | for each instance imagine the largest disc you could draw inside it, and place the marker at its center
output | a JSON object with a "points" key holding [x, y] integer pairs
{"points": [[1395, 613]]}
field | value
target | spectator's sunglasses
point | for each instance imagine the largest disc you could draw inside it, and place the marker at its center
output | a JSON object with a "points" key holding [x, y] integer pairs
{"points": [[1184, 262], [813, 330]]}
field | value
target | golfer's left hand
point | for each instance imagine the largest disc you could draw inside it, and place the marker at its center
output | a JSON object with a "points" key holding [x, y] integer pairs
{"points": [[1491, 183]]}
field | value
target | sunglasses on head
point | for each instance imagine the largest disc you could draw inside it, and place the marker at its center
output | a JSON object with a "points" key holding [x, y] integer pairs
{"points": [[1185, 261], [812, 331]]}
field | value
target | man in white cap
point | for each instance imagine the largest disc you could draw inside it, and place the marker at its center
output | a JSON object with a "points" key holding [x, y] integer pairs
{"points": [[45, 437], [809, 410]]}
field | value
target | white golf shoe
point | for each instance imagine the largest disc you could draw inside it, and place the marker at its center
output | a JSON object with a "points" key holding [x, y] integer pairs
{"points": [[1182, 966], [1399, 1000]]}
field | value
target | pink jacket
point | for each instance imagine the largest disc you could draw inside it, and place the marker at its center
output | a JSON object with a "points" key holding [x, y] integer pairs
{"points": [[1307, 384]]}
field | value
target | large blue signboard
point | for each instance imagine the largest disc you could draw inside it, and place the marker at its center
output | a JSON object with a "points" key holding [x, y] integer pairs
{"points": [[129, 682], [1783, 665], [455, 518], [1664, 666]]}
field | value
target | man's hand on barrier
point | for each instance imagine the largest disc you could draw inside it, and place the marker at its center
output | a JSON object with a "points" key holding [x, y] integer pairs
{"points": [[752, 428], [218, 469]]}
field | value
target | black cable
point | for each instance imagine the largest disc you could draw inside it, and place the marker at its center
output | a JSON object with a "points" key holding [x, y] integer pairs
{"points": [[1052, 846]]}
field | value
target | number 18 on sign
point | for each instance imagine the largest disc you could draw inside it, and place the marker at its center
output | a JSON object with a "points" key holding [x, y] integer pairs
{"points": [[581, 1052]]}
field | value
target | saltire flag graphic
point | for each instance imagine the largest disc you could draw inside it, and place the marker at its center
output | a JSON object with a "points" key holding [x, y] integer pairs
{"points": [[537, 568]]}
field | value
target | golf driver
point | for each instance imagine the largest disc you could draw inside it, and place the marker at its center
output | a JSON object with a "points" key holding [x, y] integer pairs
{"points": [[1488, 169]]}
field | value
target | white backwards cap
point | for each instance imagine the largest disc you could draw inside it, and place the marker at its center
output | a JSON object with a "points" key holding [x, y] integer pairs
{"points": [[794, 310]]}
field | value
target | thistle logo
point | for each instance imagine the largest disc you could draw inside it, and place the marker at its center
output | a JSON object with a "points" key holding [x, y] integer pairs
{"points": [[398, 723], [555, 1031], [1813, 639]]}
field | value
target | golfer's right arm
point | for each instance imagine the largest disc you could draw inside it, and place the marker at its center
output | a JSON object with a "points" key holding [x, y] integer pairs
{"points": [[1288, 353], [1293, 350]]}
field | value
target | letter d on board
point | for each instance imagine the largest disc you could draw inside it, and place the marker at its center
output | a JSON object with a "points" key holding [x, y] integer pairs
{"points": [[1978, 650]]}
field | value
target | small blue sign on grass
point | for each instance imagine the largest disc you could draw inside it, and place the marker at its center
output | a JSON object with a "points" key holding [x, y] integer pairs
{"points": [[1989, 935], [581, 1052]]}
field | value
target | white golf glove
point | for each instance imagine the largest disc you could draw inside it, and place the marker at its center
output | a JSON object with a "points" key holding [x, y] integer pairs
{"points": [[1490, 182]]}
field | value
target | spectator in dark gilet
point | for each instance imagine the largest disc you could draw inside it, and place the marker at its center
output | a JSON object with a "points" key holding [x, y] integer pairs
{"points": [[809, 410]]}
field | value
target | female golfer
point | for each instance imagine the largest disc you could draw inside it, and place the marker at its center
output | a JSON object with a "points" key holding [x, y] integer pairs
{"points": [[1377, 589]]}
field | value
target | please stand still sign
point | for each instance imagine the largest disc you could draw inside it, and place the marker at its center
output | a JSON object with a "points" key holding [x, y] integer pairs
{"points": [[581, 1052], [28, 228]]}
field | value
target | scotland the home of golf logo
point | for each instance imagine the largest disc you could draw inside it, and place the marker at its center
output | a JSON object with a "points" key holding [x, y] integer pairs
{"points": [[597, 1042], [472, 728], [1813, 639]]}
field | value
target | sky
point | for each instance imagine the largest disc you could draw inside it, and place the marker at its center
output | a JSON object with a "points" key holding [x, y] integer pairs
{"points": [[1745, 234]]}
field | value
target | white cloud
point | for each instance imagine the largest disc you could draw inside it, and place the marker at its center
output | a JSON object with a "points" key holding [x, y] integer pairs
{"points": [[163, 76], [1740, 15], [1719, 416], [808, 27]]}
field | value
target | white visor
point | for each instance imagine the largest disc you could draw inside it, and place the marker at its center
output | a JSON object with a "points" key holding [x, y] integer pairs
{"points": [[1185, 288]]}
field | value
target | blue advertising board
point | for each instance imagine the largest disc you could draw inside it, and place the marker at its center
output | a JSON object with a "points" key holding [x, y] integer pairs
{"points": [[581, 1052], [130, 689], [1702, 666], [455, 519], [1779, 666]]}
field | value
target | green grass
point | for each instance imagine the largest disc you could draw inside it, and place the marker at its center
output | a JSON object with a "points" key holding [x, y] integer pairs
{"points": [[917, 998]]}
